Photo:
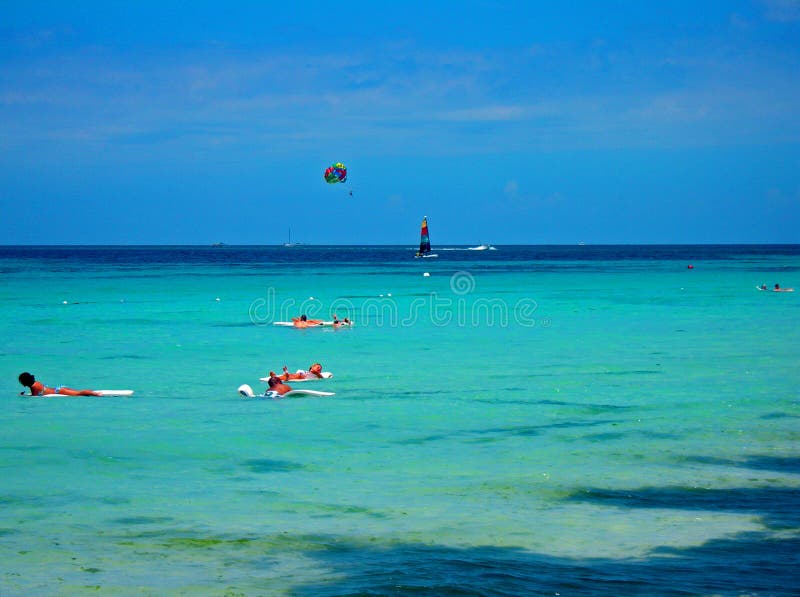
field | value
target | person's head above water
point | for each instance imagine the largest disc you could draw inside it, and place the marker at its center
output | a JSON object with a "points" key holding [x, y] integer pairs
{"points": [[26, 379], [316, 368], [303, 318], [274, 381]]}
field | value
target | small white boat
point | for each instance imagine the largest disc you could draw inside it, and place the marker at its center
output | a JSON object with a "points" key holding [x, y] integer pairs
{"points": [[480, 248], [290, 243]]}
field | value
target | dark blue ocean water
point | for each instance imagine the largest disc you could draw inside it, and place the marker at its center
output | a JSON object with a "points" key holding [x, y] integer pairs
{"points": [[333, 255]]}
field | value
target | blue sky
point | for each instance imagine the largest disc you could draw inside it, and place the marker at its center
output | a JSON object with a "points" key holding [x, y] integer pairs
{"points": [[503, 122]]}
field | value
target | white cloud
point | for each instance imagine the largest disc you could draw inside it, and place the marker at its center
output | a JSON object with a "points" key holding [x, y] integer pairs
{"points": [[783, 10], [485, 114], [407, 100]]}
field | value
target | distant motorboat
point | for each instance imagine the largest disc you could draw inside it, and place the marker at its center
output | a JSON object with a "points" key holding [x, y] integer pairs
{"points": [[481, 248]]}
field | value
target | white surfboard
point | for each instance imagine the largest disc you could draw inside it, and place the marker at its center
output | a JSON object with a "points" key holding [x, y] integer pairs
{"points": [[101, 392], [247, 392], [325, 375], [303, 392]]}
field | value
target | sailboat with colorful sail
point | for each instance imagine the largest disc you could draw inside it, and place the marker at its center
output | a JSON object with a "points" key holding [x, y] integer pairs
{"points": [[425, 241]]}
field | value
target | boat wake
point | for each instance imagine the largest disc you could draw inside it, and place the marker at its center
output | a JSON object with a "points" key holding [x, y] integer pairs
{"points": [[478, 248]]}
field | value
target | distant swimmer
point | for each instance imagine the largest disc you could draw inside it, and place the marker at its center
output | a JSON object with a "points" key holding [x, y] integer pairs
{"points": [[37, 388], [340, 322], [314, 372], [276, 385], [776, 288], [305, 322]]}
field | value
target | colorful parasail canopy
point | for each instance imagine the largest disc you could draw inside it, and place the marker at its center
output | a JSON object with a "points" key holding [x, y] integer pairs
{"points": [[336, 173]]}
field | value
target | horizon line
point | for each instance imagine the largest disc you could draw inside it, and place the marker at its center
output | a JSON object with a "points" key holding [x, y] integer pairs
{"points": [[404, 245]]}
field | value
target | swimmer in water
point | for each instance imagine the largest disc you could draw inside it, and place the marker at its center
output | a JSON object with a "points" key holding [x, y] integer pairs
{"points": [[305, 322], [340, 322], [37, 388], [276, 385], [314, 372]]}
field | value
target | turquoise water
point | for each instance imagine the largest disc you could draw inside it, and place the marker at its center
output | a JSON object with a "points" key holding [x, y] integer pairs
{"points": [[530, 420]]}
